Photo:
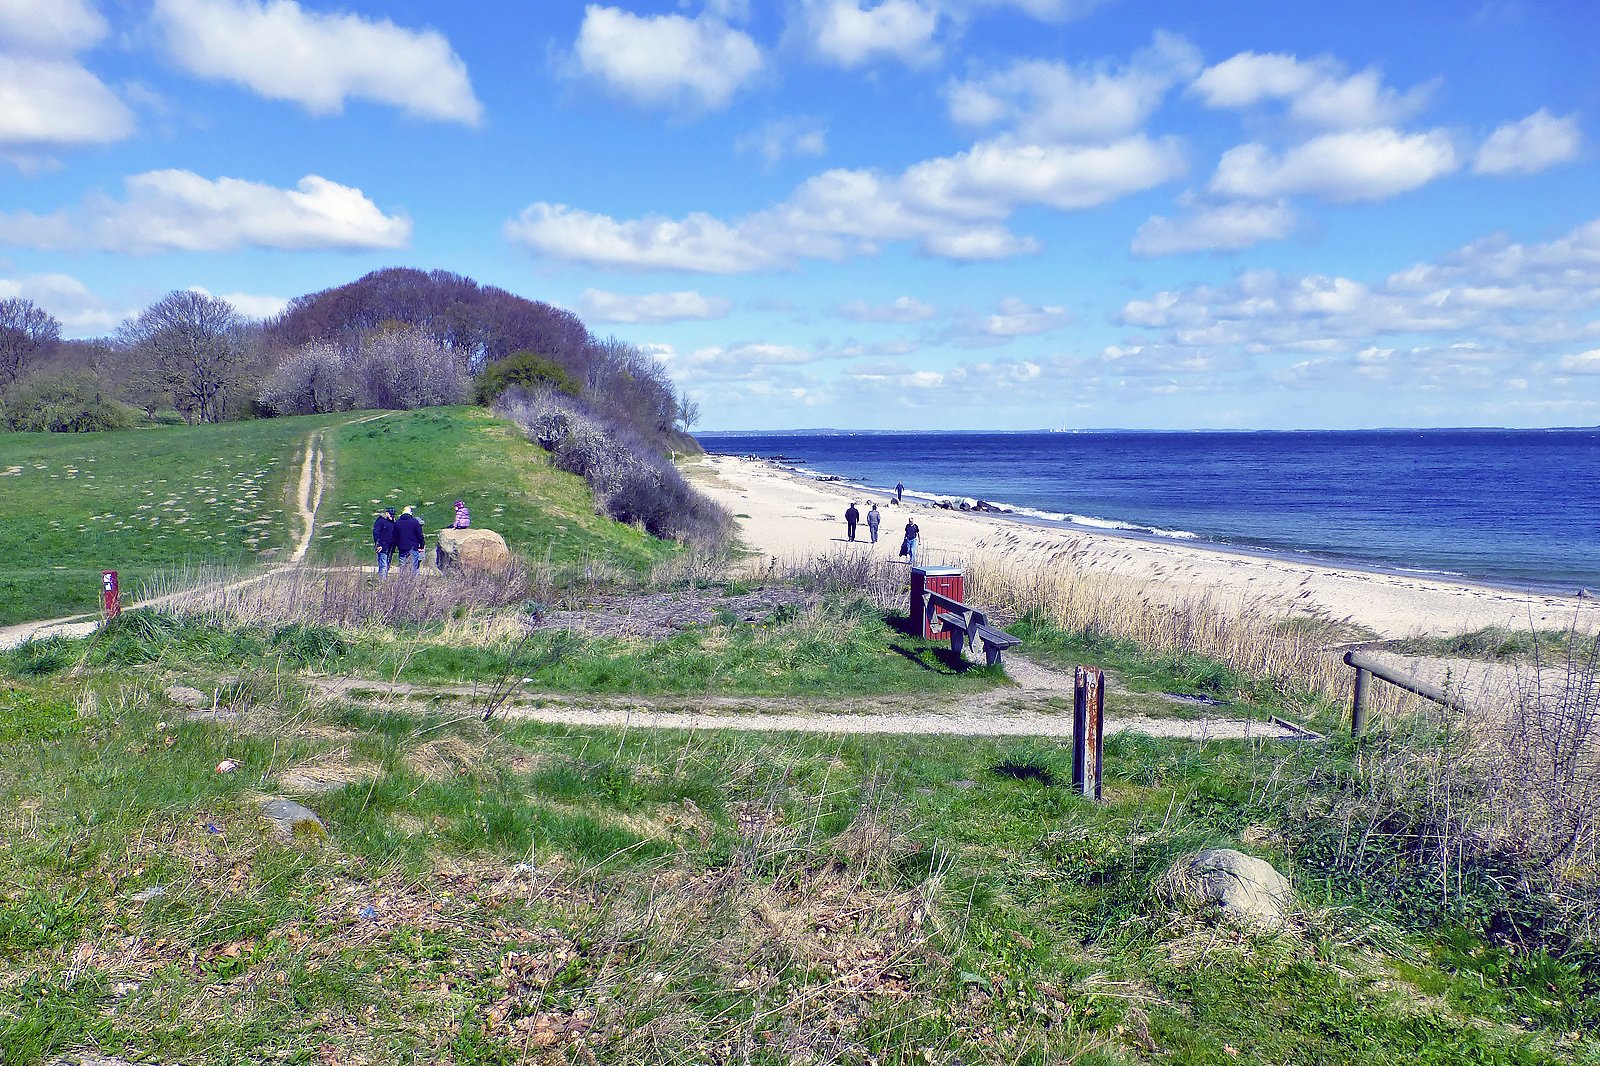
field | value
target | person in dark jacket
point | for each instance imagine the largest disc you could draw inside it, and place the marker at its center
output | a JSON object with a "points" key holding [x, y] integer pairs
{"points": [[908, 547], [408, 539], [851, 517], [383, 539]]}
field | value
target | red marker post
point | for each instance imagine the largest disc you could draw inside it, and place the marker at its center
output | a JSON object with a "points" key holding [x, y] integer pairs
{"points": [[110, 594]]}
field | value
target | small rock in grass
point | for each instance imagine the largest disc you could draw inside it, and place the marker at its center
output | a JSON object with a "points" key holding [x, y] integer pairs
{"points": [[1244, 887], [292, 819], [188, 697], [145, 896]]}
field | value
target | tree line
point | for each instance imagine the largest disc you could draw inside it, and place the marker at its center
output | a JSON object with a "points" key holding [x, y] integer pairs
{"points": [[394, 339]]}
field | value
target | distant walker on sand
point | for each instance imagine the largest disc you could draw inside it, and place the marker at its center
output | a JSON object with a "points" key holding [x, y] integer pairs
{"points": [[851, 517], [874, 516], [908, 547]]}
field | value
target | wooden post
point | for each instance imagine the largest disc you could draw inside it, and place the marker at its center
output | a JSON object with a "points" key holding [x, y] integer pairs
{"points": [[1358, 706], [1088, 729]]}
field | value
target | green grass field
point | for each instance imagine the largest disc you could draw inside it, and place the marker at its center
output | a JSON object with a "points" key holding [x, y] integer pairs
{"points": [[137, 502], [532, 894], [429, 459], [148, 500]]}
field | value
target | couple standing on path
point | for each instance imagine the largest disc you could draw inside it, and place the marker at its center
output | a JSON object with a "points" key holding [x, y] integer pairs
{"points": [[404, 536], [853, 516]]}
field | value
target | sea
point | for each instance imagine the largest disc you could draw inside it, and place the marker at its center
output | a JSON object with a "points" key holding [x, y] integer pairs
{"points": [[1511, 508]]}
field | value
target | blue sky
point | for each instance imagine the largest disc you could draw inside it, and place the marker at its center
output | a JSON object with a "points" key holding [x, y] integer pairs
{"points": [[946, 213]]}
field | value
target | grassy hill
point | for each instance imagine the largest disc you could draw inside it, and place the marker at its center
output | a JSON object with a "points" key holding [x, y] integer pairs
{"points": [[147, 500], [430, 458], [136, 502]]}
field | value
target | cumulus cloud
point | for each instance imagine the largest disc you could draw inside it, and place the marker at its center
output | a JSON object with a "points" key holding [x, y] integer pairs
{"points": [[1535, 143], [1049, 101], [79, 310], [49, 27], [1219, 227], [666, 61], [652, 307], [783, 138], [901, 310], [1372, 164], [56, 101], [951, 207], [1582, 363], [848, 34], [252, 305], [697, 242], [319, 61], [1481, 315], [1317, 92], [178, 210]]}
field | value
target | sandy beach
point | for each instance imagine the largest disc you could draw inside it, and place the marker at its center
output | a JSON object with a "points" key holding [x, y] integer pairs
{"points": [[787, 516]]}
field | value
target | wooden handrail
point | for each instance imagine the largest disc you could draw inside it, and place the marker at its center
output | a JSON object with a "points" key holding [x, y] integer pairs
{"points": [[1366, 664]]}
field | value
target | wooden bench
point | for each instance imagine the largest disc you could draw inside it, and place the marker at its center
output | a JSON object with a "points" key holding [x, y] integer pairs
{"points": [[967, 624]]}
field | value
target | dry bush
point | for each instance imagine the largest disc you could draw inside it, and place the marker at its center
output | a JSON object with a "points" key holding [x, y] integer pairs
{"points": [[344, 596], [881, 580]]}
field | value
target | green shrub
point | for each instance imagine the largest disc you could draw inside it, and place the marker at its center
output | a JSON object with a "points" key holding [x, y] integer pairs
{"points": [[526, 370], [69, 402]]}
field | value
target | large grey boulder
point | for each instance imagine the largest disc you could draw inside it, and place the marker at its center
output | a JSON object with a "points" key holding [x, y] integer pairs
{"points": [[1243, 887], [474, 548]]}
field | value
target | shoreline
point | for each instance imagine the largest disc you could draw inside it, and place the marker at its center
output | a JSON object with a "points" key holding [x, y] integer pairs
{"points": [[1093, 526], [787, 514]]}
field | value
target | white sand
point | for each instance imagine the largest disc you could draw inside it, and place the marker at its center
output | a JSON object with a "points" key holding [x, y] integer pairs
{"points": [[788, 516]]}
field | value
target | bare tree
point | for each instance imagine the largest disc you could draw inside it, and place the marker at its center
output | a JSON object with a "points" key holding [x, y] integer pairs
{"points": [[27, 331], [190, 341], [688, 411]]}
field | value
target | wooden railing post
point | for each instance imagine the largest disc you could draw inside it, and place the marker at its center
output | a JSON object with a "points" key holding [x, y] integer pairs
{"points": [[1088, 728], [1358, 705]]}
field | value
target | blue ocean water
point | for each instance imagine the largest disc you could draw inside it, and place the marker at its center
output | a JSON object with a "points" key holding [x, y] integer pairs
{"points": [[1508, 507]]}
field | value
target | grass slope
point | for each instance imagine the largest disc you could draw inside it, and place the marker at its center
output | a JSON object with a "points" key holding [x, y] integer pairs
{"points": [[137, 502], [431, 458], [561, 895]]}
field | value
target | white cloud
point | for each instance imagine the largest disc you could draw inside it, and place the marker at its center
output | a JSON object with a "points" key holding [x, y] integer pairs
{"points": [[1537, 142], [53, 101], [652, 307], [783, 138], [1017, 318], [1220, 227], [666, 61], [1488, 312], [177, 210], [697, 242], [850, 35], [951, 207], [1047, 101], [1370, 164], [79, 310], [902, 309], [251, 305], [319, 61], [1318, 92], [49, 27], [1582, 363]]}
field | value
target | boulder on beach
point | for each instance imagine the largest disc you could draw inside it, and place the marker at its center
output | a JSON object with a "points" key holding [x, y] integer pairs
{"points": [[472, 549]]}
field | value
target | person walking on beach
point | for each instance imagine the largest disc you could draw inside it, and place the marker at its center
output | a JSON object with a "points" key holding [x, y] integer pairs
{"points": [[909, 547], [851, 517], [874, 516], [408, 539], [383, 539], [899, 492], [463, 516]]}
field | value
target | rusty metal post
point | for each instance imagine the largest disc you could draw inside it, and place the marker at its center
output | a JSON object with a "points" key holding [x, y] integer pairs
{"points": [[1358, 705], [110, 594], [1088, 730]]}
